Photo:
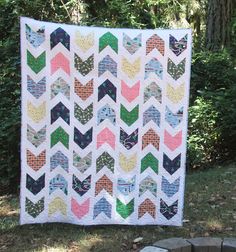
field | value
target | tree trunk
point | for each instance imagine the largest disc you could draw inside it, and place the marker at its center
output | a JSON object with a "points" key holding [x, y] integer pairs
{"points": [[218, 30]]}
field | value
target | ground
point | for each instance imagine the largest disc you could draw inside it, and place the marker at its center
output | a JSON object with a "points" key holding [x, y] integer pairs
{"points": [[210, 210]]}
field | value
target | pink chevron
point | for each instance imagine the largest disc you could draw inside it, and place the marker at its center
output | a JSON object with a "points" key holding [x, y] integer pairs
{"points": [[79, 210], [106, 136], [130, 93], [60, 61], [172, 142]]}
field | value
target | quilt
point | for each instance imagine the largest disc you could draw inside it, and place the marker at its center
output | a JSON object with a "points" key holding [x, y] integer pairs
{"points": [[104, 124]]}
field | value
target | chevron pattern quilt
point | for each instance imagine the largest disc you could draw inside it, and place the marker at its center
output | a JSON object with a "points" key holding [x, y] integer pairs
{"points": [[104, 124]]}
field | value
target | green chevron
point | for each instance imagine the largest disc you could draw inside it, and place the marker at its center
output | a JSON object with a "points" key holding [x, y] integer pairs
{"points": [[83, 115], [105, 160], [36, 64], [59, 135], [149, 161], [124, 210], [129, 117], [108, 39]]}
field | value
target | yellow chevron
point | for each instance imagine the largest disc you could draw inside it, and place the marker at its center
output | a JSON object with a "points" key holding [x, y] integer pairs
{"points": [[84, 42], [175, 94], [131, 69], [127, 164], [36, 113], [57, 205]]}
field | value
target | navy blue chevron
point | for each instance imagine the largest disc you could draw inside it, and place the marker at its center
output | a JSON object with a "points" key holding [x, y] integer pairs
{"points": [[170, 189], [83, 140], [171, 165], [128, 140], [60, 110], [81, 187], [35, 186], [168, 211], [60, 36], [107, 88]]}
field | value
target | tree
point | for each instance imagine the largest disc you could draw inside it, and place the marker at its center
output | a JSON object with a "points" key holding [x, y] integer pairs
{"points": [[219, 24]]}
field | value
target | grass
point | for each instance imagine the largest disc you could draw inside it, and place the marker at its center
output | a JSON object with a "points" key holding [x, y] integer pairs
{"points": [[210, 210]]}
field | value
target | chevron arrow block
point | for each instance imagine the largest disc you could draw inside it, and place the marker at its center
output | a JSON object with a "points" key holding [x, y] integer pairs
{"points": [[83, 140], [148, 184], [107, 88], [108, 39], [37, 89], [170, 165], [172, 142], [152, 90], [80, 210], [60, 62], [147, 206], [149, 161], [35, 186], [106, 136], [169, 211], [38, 63], [127, 164], [83, 115], [60, 110], [150, 137], [36, 113], [154, 66], [178, 46], [58, 182], [60, 86], [176, 71], [131, 69], [84, 91], [82, 163], [152, 114], [34, 209], [59, 159], [84, 42], [155, 42], [106, 112], [175, 94], [130, 93], [81, 187], [170, 189], [125, 187], [84, 67], [128, 141], [102, 206], [36, 137], [60, 36], [107, 64], [105, 159], [35, 38], [57, 205], [129, 117], [60, 135], [132, 45], [124, 210], [36, 162], [104, 183], [174, 118]]}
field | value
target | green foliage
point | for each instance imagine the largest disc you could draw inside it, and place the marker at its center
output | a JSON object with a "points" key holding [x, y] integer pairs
{"points": [[212, 114]]}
